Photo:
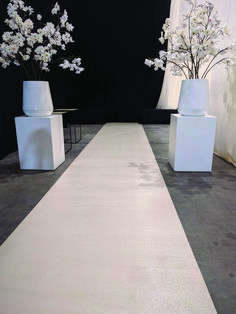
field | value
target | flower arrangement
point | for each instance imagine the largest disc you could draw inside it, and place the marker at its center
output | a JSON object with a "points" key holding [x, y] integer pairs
{"points": [[192, 47], [32, 44]]}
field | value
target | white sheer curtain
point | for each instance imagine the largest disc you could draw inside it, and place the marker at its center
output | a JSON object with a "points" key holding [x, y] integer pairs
{"points": [[222, 85], [171, 84], [223, 92]]}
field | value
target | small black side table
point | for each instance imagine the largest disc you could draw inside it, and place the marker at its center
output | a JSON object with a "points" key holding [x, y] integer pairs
{"points": [[71, 121]]}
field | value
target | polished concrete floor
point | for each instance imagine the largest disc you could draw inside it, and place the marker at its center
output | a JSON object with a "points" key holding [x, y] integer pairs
{"points": [[205, 203]]}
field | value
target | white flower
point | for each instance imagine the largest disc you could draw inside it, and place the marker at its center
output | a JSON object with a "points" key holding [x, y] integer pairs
{"points": [[34, 38], [162, 54], [28, 24], [7, 36], [77, 61], [13, 49], [49, 29], [79, 70], [69, 27], [56, 39], [56, 8], [11, 24], [158, 63], [73, 66], [39, 50], [18, 20], [64, 18], [162, 39], [4, 62], [24, 57], [67, 38], [65, 64], [39, 17], [148, 62]]}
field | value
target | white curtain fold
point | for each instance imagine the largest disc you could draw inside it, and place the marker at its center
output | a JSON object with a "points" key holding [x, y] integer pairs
{"points": [[223, 92], [222, 84], [171, 84]]}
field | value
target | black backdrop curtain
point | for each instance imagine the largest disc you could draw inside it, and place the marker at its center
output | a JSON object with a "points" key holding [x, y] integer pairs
{"points": [[113, 38]]}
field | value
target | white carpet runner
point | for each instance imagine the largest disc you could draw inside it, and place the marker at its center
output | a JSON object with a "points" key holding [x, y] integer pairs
{"points": [[105, 239]]}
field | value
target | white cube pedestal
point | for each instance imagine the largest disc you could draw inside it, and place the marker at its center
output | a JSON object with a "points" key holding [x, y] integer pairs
{"points": [[191, 142], [40, 142]]}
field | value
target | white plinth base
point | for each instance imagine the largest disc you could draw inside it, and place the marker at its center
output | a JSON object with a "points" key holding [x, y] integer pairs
{"points": [[191, 142], [40, 142]]}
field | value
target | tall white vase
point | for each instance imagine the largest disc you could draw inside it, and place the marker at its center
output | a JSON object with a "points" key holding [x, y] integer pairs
{"points": [[194, 97], [37, 100]]}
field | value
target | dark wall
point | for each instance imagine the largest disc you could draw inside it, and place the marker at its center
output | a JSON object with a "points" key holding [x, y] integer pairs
{"points": [[113, 38]]}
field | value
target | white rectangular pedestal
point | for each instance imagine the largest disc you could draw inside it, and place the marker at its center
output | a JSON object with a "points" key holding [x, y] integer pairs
{"points": [[191, 142], [40, 142]]}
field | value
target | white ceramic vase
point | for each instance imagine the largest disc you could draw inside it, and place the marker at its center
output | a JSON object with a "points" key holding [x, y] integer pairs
{"points": [[37, 100], [194, 97]]}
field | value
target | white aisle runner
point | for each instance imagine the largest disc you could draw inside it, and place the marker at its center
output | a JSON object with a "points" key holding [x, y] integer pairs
{"points": [[105, 239]]}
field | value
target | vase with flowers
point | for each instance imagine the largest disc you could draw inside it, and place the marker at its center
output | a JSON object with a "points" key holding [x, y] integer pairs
{"points": [[34, 45], [193, 51]]}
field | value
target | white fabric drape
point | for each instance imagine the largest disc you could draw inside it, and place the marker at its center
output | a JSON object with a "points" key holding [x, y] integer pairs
{"points": [[222, 84], [223, 92], [171, 84]]}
